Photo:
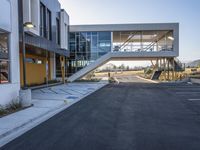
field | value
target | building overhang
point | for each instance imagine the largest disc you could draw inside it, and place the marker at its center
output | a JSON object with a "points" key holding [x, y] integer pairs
{"points": [[132, 27], [5, 15], [124, 27], [41, 45]]}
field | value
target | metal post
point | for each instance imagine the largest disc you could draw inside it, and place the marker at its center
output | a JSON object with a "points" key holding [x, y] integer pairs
{"points": [[23, 47], [62, 62], [173, 71], [47, 69], [168, 69], [164, 68]]}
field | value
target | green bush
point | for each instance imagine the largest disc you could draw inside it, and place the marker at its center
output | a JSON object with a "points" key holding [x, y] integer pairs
{"points": [[13, 106], [2, 110]]}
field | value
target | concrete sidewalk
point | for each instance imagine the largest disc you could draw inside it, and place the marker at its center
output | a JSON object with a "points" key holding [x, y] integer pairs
{"points": [[46, 103]]}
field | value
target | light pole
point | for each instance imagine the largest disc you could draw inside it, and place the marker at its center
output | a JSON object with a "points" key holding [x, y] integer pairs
{"points": [[27, 25], [25, 93]]}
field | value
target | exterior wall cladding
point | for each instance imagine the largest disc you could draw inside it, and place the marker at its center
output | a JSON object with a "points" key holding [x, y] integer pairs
{"points": [[10, 85], [49, 37], [55, 9], [33, 36]]}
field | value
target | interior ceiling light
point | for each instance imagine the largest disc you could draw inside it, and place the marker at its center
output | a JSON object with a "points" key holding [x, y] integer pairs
{"points": [[154, 35], [170, 37]]}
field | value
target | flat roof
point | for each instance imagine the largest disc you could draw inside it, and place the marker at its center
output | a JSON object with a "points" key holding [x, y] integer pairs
{"points": [[124, 27]]}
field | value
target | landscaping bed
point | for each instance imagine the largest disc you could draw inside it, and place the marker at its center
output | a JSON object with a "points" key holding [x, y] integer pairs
{"points": [[11, 108]]}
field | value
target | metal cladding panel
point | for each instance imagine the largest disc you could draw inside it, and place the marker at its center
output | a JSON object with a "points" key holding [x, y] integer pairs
{"points": [[45, 44], [124, 27], [5, 15], [40, 42], [133, 27]]}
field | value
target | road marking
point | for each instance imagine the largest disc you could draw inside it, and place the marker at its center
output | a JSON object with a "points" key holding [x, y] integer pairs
{"points": [[188, 92], [147, 79], [194, 99]]}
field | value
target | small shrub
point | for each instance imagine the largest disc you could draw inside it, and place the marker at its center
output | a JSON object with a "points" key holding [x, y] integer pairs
{"points": [[2, 111], [14, 105]]}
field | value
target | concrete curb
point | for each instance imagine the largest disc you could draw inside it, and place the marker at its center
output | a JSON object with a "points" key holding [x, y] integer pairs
{"points": [[147, 79], [30, 124], [116, 80], [45, 86]]}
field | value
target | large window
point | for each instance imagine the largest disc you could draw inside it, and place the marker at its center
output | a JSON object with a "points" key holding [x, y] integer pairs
{"points": [[57, 31], [86, 47], [48, 24], [4, 58], [148, 41], [42, 20], [45, 22]]}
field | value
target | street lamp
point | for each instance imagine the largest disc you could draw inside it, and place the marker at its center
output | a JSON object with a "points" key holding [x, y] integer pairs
{"points": [[24, 93], [29, 25], [24, 25]]}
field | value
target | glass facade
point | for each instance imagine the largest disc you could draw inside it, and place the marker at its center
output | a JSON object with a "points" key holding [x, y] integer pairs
{"points": [[4, 58], [148, 41], [45, 22], [86, 47]]}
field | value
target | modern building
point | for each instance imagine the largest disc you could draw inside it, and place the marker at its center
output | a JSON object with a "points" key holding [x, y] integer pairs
{"points": [[46, 42], [94, 45], [9, 51], [55, 50]]}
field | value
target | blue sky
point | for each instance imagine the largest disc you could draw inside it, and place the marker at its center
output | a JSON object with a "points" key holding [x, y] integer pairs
{"points": [[186, 12]]}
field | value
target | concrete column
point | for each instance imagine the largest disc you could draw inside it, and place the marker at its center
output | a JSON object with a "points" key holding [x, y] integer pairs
{"points": [[52, 66], [111, 41], [173, 69], [157, 63], [164, 61], [168, 69]]}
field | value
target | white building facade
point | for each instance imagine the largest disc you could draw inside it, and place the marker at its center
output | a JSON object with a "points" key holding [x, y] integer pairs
{"points": [[9, 51]]}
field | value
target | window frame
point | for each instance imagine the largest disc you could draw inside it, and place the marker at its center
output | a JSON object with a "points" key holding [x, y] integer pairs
{"points": [[8, 60]]}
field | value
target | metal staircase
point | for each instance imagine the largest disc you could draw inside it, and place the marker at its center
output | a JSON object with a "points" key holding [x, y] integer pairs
{"points": [[92, 66], [156, 74], [117, 56], [4, 75], [178, 65]]}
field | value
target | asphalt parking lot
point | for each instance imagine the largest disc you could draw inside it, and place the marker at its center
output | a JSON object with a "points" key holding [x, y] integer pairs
{"points": [[126, 116]]}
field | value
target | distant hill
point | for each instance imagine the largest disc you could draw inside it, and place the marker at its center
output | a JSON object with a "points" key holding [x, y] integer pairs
{"points": [[195, 63]]}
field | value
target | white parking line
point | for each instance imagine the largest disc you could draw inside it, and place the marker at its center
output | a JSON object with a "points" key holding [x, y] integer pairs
{"points": [[194, 99], [186, 92]]}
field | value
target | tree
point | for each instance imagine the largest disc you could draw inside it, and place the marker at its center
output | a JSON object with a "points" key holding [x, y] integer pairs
{"points": [[127, 68], [122, 67]]}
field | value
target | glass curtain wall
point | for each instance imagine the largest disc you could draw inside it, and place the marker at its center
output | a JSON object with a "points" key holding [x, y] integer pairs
{"points": [[86, 47], [143, 41], [4, 58]]}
